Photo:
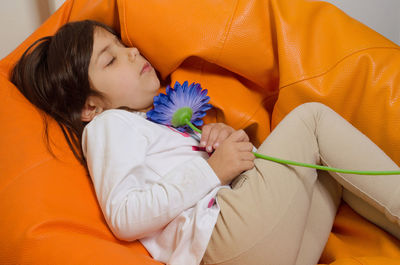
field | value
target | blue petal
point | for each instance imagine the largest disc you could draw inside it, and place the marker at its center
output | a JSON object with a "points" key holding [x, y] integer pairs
{"points": [[177, 85], [167, 90], [163, 99], [149, 113], [185, 85], [185, 95], [205, 99], [181, 129], [156, 99], [198, 122], [205, 107], [200, 114]]}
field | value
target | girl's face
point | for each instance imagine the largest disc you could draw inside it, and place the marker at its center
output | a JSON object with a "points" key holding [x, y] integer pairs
{"points": [[120, 73]]}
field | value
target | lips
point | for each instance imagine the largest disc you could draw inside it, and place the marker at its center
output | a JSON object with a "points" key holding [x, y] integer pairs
{"points": [[146, 67]]}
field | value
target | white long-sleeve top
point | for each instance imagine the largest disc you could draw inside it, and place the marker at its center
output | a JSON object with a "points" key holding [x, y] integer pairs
{"points": [[152, 184]]}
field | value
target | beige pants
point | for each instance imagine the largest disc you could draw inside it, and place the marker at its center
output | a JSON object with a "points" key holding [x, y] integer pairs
{"points": [[281, 214]]}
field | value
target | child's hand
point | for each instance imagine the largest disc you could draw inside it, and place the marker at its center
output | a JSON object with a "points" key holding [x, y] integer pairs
{"points": [[214, 134], [232, 157]]}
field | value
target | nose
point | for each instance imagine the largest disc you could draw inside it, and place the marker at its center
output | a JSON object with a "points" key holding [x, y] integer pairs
{"points": [[132, 52]]}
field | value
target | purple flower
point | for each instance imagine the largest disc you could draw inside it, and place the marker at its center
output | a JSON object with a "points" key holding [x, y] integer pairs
{"points": [[189, 100]]}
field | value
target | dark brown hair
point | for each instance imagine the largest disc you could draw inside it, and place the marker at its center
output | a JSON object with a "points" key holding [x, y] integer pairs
{"points": [[53, 75]]}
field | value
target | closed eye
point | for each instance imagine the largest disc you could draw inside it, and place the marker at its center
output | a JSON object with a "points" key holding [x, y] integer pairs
{"points": [[111, 62]]}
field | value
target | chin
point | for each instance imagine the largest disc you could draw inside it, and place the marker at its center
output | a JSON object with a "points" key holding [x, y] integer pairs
{"points": [[156, 85]]}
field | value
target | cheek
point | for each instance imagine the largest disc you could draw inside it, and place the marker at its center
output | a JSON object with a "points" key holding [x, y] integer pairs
{"points": [[99, 81], [130, 88], [126, 77], [119, 83]]}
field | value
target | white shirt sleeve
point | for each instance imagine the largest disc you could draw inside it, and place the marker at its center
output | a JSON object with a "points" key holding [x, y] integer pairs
{"points": [[134, 205]]}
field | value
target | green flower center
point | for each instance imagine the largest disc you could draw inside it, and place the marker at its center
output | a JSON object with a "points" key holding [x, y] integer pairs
{"points": [[181, 116]]}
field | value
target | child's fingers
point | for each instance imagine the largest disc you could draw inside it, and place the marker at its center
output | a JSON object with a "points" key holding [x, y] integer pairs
{"points": [[205, 134], [247, 165], [223, 134], [247, 156], [239, 136], [213, 136], [244, 146]]}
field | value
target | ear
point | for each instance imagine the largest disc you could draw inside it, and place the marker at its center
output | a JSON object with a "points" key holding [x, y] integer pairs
{"points": [[90, 109]]}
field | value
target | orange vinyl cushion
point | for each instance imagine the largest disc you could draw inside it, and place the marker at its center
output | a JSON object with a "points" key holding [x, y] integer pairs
{"points": [[259, 59]]}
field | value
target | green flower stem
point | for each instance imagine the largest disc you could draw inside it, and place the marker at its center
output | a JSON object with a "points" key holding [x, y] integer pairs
{"points": [[326, 168], [194, 128], [282, 161]]}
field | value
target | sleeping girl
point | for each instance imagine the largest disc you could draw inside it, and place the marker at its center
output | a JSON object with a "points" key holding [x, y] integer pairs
{"points": [[207, 201]]}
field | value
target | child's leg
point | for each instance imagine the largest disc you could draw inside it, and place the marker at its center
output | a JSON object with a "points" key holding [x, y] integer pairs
{"points": [[263, 219], [324, 204], [372, 214]]}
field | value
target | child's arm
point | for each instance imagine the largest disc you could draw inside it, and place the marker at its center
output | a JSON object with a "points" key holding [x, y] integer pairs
{"points": [[134, 204]]}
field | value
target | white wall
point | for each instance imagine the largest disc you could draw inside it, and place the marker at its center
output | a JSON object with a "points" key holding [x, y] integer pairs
{"points": [[19, 18], [382, 16]]}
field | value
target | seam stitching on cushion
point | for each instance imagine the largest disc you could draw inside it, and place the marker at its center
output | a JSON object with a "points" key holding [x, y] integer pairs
{"points": [[335, 64], [261, 105], [358, 261], [70, 11], [227, 31], [124, 23], [311, 77], [33, 166]]}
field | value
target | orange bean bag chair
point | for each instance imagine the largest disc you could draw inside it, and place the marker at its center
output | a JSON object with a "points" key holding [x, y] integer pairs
{"points": [[259, 59]]}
